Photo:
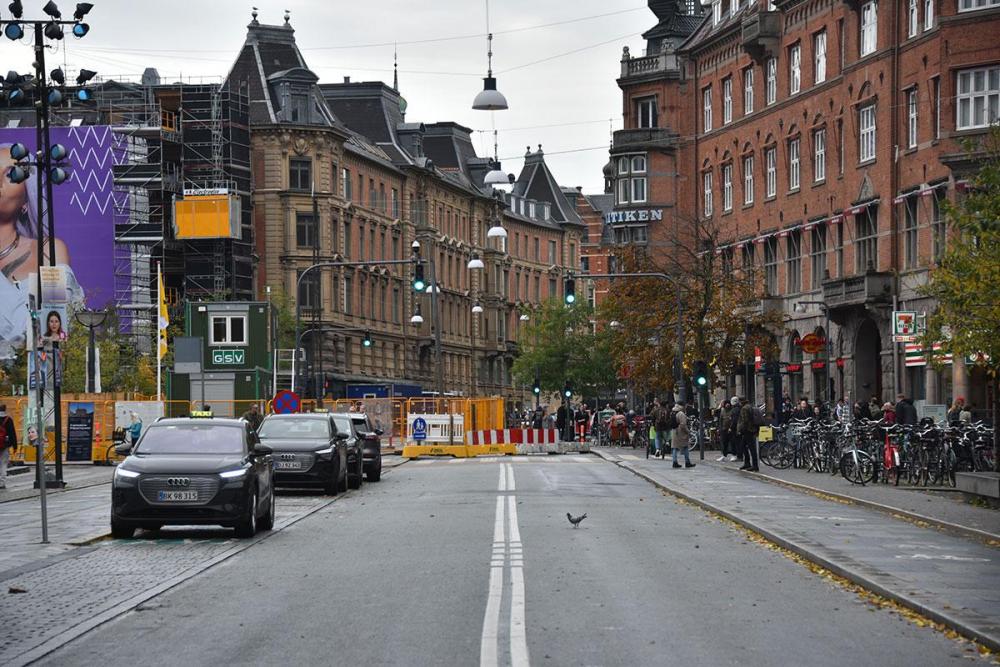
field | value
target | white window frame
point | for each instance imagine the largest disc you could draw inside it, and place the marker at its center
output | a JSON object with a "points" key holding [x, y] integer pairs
{"points": [[727, 100], [794, 69], [911, 118], [645, 112], [973, 5], [748, 91], [819, 155], [727, 187], [794, 163], [771, 80], [771, 171], [748, 180], [819, 57], [229, 329], [969, 100], [928, 14], [869, 27], [913, 18], [716, 12], [706, 109], [706, 179], [867, 133]]}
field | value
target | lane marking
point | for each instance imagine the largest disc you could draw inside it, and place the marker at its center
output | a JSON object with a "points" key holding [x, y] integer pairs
{"points": [[518, 628], [503, 480], [510, 476]]}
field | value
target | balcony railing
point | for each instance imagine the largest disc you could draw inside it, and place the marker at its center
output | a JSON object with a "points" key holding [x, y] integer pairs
{"points": [[643, 137], [659, 63], [870, 288]]}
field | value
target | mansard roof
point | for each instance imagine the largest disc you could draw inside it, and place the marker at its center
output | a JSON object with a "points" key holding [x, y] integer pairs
{"points": [[537, 182]]}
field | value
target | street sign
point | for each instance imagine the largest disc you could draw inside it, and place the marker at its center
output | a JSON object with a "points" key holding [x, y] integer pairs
{"points": [[286, 403], [419, 431], [904, 323], [229, 357]]}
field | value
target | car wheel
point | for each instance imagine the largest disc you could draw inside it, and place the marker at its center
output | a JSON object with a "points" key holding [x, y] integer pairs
{"points": [[375, 472], [247, 527], [354, 479], [267, 522], [120, 531]]}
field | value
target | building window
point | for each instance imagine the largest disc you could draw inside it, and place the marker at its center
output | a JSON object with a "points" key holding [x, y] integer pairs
{"points": [[869, 27], [747, 259], [910, 232], [866, 239], [305, 230], [793, 164], [818, 255], [748, 180], [794, 264], [819, 155], [706, 109], [229, 329], [646, 112], [639, 179], [707, 182], [309, 289], [866, 122], [727, 100], [716, 12], [840, 146], [840, 250], [911, 118], [346, 251], [971, 5], [771, 80], [771, 265], [347, 184], [394, 199], [936, 111], [819, 57], [622, 194], [748, 91], [913, 18], [552, 252], [348, 295], [939, 236], [928, 14], [727, 187], [299, 174], [771, 171], [978, 97], [794, 69]]}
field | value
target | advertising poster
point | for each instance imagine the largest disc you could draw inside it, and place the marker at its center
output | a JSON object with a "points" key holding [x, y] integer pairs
{"points": [[84, 211], [147, 412], [80, 432]]}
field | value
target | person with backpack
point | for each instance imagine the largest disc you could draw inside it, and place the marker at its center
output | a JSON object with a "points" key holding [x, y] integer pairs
{"points": [[748, 424], [661, 422], [681, 436], [8, 443]]}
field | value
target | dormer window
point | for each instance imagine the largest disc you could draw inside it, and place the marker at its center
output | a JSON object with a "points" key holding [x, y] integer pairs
{"points": [[298, 108]]}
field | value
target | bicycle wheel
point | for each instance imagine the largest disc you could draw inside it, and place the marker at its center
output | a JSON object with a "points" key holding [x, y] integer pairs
{"points": [[857, 467]]}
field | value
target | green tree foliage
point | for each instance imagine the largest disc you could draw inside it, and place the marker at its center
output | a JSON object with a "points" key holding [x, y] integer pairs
{"points": [[559, 344], [966, 282]]}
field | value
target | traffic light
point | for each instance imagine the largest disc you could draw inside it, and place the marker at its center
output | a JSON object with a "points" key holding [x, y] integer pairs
{"points": [[570, 291], [419, 284], [367, 342], [536, 388], [701, 374], [568, 389]]}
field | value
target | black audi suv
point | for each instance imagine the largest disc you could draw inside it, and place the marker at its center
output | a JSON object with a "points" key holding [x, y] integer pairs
{"points": [[371, 444], [194, 472], [313, 450]]}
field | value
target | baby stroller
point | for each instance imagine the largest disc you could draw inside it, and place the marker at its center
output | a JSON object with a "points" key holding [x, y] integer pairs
{"points": [[619, 431]]}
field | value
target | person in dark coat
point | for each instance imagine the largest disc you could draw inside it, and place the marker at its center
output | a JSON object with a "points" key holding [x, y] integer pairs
{"points": [[906, 413]]}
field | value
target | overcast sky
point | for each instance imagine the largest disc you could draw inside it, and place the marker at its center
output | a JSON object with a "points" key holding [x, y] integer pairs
{"points": [[558, 79]]}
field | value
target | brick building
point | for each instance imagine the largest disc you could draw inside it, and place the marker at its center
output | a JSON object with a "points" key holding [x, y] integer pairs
{"points": [[821, 137], [340, 175]]}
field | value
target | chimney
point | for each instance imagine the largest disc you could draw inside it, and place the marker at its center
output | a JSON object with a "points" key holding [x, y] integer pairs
{"points": [[347, 79]]}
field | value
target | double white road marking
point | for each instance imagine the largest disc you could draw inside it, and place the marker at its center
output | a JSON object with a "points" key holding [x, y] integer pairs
{"points": [[507, 557]]}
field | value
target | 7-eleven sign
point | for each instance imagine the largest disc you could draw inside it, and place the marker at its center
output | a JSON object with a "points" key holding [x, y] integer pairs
{"points": [[758, 359]]}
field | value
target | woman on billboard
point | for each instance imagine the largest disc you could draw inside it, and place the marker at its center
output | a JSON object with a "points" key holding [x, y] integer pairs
{"points": [[19, 240]]}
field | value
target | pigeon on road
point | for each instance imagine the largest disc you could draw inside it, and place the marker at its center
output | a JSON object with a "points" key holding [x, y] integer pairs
{"points": [[575, 520]]}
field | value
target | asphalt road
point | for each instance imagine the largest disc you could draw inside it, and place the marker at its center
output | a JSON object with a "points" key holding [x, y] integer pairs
{"points": [[474, 562]]}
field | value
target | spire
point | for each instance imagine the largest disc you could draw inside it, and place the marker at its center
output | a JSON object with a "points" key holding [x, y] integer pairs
{"points": [[395, 68]]}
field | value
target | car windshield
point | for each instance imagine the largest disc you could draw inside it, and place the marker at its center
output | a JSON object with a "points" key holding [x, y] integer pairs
{"points": [[343, 424], [200, 438], [291, 427]]}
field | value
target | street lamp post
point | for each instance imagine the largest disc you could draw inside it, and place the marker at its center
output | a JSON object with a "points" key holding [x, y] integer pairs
{"points": [[800, 307], [93, 320]]}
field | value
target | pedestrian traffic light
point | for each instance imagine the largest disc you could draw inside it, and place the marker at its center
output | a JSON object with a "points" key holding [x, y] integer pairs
{"points": [[570, 291], [701, 373], [367, 342], [536, 388], [419, 284], [568, 389]]}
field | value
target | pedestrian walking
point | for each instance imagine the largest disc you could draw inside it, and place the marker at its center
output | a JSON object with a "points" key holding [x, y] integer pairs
{"points": [[253, 417], [965, 416], [661, 422], [747, 425], [735, 439], [135, 428], [875, 409], [955, 413], [906, 413], [802, 411], [889, 413], [681, 436], [8, 443]]}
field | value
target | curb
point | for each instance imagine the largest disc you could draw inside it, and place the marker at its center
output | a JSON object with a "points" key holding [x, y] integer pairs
{"points": [[990, 539], [993, 642], [26, 494]]}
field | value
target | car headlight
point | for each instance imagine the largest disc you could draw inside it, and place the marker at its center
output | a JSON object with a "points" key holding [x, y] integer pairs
{"points": [[233, 474], [327, 451], [124, 476]]}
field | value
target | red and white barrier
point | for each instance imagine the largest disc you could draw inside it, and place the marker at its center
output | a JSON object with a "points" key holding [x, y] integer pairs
{"points": [[526, 440]]}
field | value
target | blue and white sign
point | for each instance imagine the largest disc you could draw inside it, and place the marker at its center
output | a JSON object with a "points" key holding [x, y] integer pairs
{"points": [[419, 431]]}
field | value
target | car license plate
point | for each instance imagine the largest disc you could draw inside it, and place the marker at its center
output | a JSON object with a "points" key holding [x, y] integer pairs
{"points": [[177, 496], [288, 465]]}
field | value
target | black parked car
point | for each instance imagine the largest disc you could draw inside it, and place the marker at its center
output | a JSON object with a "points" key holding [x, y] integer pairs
{"points": [[371, 439], [194, 472], [311, 449]]}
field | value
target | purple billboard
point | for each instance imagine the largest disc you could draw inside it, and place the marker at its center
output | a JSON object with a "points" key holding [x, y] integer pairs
{"points": [[84, 211]]}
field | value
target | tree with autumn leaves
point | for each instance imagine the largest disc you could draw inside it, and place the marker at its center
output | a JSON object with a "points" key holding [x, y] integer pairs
{"points": [[723, 317], [966, 282]]}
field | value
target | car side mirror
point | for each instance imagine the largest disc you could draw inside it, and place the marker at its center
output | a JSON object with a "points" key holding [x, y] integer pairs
{"points": [[342, 436], [123, 449], [261, 449], [379, 431]]}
